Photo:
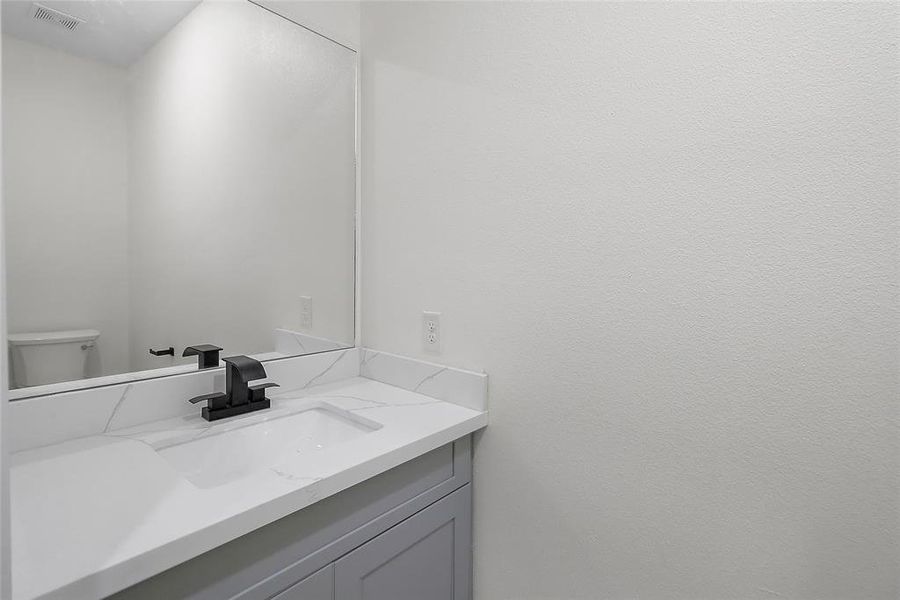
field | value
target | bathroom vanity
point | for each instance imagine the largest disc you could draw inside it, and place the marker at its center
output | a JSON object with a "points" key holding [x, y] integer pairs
{"points": [[403, 534], [355, 484], [214, 214]]}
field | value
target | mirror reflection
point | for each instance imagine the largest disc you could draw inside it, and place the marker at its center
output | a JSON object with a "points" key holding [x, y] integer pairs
{"points": [[174, 173]]}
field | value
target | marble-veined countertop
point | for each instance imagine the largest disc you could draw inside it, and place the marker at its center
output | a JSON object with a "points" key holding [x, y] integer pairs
{"points": [[94, 515]]}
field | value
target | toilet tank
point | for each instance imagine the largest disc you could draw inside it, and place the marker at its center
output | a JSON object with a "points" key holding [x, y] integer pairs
{"points": [[50, 356]]}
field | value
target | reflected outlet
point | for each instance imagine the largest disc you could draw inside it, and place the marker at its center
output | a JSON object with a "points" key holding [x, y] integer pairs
{"points": [[306, 312], [431, 331]]}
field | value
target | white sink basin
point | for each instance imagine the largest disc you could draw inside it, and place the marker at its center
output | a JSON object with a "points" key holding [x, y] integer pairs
{"points": [[222, 455]]}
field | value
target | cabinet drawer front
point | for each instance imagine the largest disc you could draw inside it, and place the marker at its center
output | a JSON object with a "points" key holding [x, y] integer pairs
{"points": [[426, 556]]}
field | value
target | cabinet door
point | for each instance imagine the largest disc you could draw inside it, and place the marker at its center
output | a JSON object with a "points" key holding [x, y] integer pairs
{"points": [[318, 586], [427, 556]]}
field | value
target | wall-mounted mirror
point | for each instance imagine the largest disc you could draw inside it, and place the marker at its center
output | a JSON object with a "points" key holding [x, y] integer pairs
{"points": [[174, 173]]}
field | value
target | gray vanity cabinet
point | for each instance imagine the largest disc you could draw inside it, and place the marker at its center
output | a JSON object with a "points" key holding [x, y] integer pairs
{"points": [[403, 535], [425, 556], [318, 586]]}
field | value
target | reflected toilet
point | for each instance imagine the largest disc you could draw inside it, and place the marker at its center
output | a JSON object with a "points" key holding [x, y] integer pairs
{"points": [[50, 356]]}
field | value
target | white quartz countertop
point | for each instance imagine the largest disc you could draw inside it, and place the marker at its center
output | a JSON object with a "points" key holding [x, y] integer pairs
{"points": [[94, 515]]}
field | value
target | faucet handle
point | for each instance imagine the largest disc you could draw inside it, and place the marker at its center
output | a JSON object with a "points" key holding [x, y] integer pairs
{"points": [[258, 392], [215, 401], [207, 353]]}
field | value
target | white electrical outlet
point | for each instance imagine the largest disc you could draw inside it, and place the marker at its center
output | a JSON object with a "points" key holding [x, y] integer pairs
{"points": [[431, 331], [306, 312]]}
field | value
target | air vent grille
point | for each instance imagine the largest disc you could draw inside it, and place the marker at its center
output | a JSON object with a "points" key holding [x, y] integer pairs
{"points": [[40, 12]]}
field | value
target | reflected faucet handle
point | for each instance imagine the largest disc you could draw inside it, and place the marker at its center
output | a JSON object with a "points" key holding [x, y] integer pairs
{"points": [[207, 353]]}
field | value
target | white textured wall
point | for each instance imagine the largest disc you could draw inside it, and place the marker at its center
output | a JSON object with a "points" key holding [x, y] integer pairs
{"points": [[65, 183], [242, 182], [336, 19], [669, 233]]}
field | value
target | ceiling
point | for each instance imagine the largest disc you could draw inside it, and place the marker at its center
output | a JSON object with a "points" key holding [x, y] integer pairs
{"points": [[116, 32]]}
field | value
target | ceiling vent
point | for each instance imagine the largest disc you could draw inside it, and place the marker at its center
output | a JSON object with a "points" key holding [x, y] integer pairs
{"points": [[40, 12]]}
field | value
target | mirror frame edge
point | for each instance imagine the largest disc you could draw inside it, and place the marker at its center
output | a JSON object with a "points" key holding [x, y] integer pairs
{"points": [[5, 541]]}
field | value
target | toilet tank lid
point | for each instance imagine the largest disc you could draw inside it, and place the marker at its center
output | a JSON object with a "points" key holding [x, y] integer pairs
{"points": [[53, 337]]}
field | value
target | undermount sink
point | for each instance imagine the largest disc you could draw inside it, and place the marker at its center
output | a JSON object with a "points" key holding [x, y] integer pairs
{"points": [[235, 450]]}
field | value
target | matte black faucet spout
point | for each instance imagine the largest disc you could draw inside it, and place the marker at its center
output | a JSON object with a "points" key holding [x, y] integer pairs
{"points": [[239, 370]]}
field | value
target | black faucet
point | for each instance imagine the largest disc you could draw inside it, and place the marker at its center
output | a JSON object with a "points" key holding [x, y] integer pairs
{"points": [[238, 398], [208, 355]]}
